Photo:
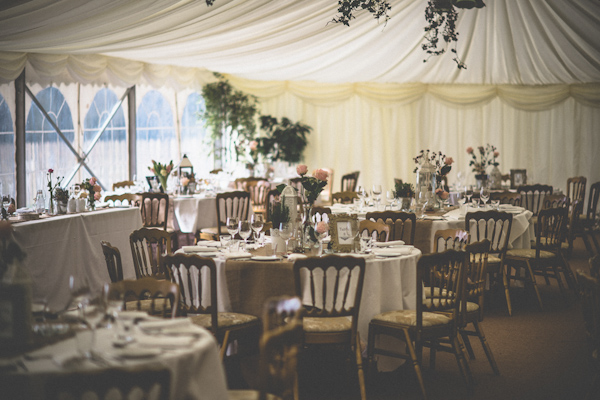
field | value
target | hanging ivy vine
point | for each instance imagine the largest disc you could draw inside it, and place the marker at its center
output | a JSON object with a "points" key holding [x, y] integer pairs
{"points": [[346, 9]]}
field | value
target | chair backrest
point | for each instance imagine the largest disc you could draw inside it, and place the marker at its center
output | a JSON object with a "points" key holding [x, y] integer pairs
{"points": [[155, 210], [330, 286], [592, 209], [550, 229], [164, 295], [576, 188], [344, 197], [273, 196], [123, 199], [403, 225], [475, 274], [319, 214], [232, 204], [279, 347], [82, 384], [443, 275], [444, 239], [196, 277], [518, 177], [243, 183], [112, 255], [556, 200], [122, 184], [506, 197], [492, 225], [589, 295], [377, 230], [532, 196], [258, 189], [349, 181], [147, 246]]}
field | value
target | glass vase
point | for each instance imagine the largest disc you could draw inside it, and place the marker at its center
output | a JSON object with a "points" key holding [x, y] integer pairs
{"points": [[426, 182]]}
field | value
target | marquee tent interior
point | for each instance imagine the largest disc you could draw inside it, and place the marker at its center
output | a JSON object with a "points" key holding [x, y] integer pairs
{"points": [[531, 87]]}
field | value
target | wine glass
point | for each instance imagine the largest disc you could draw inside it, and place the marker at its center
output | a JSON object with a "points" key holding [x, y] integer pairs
{"points": [[376, 190], [468, 194], [286, 229], [484, 195], [80, 293], [390, 195], [245, 230], [362, 195], [232, 226], [257, 221]]}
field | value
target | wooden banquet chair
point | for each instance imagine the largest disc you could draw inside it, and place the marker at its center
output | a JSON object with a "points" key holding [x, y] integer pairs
{"points": [[155, 296], [494, 226], [349, 182], [155, 210], [344, 197], [112, 256], [152, 381], [130, 199], [147, 246], [445, 239], [122, 184], [379, 231], [403, 225], [258, 189], [506, 197], [434, 323], [279, 347], [331, 310], [532, 196], [589, 223], [556, 201], [229, 204], [196, 277], [589, 294], [318, 213], [546, 259], [576, 188]]}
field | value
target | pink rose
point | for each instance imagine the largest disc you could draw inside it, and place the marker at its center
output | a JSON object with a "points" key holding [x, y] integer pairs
{"points": [[469, 150], [448, 161], [322, 227], [11, 208], [185, 181], [253, 145], [321, 174], [442, 194], [496, 154], [92, 181], [50, 171], [301, 169], [97, 196], [97, 188]]}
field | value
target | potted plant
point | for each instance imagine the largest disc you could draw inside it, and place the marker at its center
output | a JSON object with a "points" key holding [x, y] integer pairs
{"points": [[279, 214], [405, 192], [284, 141], [61, 197]]}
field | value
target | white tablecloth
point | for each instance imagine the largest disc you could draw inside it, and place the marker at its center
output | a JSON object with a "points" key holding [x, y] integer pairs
{"points": [[194, 213], [196, 369], [65, 245]]}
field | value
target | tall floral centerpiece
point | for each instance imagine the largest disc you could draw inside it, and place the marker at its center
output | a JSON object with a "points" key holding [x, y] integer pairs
{"points": [[93, 190], [51, 188], [481, 158], [161, 171]]}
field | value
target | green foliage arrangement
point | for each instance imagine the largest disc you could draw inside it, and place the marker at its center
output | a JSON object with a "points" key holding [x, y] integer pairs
{"points": [[404, 190], [284, 141], [279, 214]]}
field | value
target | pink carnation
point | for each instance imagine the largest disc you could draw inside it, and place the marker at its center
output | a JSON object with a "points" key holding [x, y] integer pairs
{"points": [[496, 154], [321, 174], [448, 161], [469, 150], [253, 145], [97, 188], [301, 169], [97, 196], [92, 181], [322, 227], [50, 171]]}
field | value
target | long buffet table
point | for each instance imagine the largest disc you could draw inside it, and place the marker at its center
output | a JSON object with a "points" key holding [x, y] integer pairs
{"points": [[64, 245]]}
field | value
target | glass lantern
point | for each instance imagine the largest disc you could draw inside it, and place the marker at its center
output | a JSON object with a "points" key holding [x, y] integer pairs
{"points": [[426, 184]]}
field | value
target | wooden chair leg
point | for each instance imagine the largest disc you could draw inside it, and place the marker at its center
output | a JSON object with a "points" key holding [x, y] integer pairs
{"points": [[486, 347], [467, 344], [535, 288], [361, 374], [224, 345], [416, 362], [461, 360], [506, 288], [561, 287]]}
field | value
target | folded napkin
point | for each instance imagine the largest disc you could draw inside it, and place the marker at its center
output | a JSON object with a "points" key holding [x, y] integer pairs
{"points": [[25, 210], [389, 244], [239, 254], [295, 256], [133, 315], [198, 249], [164, 342], [392, 252], [210, 243], [161, 323]]}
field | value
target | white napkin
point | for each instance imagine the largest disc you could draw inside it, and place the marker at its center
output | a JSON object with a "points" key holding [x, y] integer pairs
{"points": [[210, 243], [389, 244], [395, 251], [25, 210], [162, 323], [164, 342], [198, 249], [239, 254], [295, 256]]}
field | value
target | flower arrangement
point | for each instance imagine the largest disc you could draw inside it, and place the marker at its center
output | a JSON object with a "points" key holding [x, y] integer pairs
{"points": [[313, 185], [442, 194], [404, 190], [161, 171], [483, 157], [279, 214], [93, 191], [52, 186], [61, 195], [442, 164]]}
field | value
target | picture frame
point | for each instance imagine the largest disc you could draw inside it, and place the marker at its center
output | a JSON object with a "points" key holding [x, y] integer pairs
{"points": [[518, 177], [343, 229]]}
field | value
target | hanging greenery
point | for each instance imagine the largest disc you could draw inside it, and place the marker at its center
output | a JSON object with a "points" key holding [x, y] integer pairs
{"points": [[284, 141], [346, 8]]}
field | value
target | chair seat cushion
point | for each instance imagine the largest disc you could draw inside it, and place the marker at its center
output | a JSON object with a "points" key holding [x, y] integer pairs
{"points": [[224, 319], [543, 241], [471, 307], [529, 253], [492, 259], [409, 317], [332, 324]]}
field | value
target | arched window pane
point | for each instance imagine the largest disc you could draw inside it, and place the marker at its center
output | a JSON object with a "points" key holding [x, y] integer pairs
{"points": [[44, 149], [7, 149], [193, 134], [156, 139], [108, 158]]}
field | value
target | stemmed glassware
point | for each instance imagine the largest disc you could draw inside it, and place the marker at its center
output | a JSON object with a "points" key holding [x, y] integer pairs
{"points": [[286, 230], [391, 198], [362, 195], [468, 194], [245, 230], [232, 226], [484, 194], [376, 195], [257, 221]]}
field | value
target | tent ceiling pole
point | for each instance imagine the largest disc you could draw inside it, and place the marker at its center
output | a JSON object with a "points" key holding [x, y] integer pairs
{"points": [[132, 136], [20, 165]]}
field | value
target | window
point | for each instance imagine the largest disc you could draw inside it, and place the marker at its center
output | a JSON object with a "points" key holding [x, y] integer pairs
{"points": [[44, 148], [193, 134], [7, 150], [156, 139], [108, 159]]}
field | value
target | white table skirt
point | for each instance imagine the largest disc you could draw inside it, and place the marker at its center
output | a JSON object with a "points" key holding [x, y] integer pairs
{"points": [[196, 370], [193, 213], [65, 245]]}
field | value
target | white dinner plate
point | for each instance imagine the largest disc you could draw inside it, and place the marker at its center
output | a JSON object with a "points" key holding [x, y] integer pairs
{"points": [[393, 252], [265, 258], [138, 352]]}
